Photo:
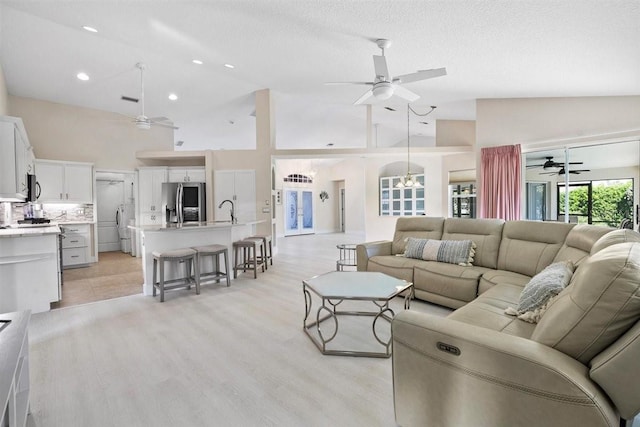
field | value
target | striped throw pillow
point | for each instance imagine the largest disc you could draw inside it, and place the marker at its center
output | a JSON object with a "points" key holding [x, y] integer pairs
{"points": [[459, 252]]}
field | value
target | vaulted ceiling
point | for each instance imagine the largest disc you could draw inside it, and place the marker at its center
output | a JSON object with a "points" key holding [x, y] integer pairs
{"points": [[491, 49]]}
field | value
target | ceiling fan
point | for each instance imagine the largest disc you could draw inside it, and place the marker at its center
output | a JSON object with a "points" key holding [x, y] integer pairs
{"points": [[141, 121], [384, 86], [551, 164], [562, 171]]}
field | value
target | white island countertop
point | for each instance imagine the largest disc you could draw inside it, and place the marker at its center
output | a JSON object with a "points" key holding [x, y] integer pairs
{"points": [[29, 231], [192, 226]]}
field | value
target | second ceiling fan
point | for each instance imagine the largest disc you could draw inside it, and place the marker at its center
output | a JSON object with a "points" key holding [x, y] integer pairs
{"points": [[142, 121], [384, 86]]}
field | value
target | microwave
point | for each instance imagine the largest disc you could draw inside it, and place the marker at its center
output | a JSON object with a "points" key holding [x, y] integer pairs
{"points": [[33, 188]]}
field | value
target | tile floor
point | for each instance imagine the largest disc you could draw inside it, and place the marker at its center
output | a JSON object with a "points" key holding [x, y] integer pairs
{"points": [[115, 275]]}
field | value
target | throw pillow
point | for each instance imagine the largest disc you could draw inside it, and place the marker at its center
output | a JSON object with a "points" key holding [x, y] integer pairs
{"points": [[459, 252], [540, 289]]}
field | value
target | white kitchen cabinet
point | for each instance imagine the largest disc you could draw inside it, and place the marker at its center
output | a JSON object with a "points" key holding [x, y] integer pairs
{"points": [[196, 174], [15, 159], [150, 182], [64, 182], [76, 244], [238, 186], [150, 218]]}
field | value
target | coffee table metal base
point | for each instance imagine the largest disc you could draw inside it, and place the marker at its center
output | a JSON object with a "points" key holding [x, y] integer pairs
{"points": [[329, 305]]}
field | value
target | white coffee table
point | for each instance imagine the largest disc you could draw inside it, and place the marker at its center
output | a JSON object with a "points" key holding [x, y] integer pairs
{"points": [[337, 286]]}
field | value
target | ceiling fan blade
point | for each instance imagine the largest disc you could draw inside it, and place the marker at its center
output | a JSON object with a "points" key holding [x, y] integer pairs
{"points": [[420, 75], [534, 166], [368, 94], [405, 93], [380, 65], [165, 125], [348, 83], [160, 119]]}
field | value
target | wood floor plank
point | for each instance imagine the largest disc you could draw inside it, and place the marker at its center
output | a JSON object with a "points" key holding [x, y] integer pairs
{"points": [[229, 356]]}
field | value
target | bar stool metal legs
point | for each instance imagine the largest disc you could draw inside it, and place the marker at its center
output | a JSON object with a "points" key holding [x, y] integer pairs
{"points": [[214, 251], [178, 256]]}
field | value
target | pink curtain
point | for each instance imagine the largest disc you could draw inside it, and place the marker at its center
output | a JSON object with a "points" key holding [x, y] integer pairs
{"points": [[500, 172]]}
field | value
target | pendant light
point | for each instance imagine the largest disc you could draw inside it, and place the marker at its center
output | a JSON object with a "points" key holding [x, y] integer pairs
{"points": [[409, 181]]}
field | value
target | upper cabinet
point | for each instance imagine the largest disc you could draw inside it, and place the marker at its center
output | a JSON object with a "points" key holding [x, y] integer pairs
{"points": [[239, 186], [64, 182], [150, 190], [196, 174], [16, 159]]}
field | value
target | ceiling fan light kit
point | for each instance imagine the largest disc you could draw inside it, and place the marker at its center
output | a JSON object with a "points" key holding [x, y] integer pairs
{"points": [[383, 90]]}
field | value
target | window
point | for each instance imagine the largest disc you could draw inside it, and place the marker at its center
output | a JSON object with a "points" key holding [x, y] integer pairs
{"points": [[298, 177], [401, 201], [463, 200], [603, 202]]}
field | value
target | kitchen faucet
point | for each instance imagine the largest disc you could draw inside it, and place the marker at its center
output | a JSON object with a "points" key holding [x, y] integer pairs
{"points": [[233, 216]]}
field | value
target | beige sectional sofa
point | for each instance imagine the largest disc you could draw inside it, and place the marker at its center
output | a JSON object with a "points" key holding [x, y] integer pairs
{"points": [[580, 365]]}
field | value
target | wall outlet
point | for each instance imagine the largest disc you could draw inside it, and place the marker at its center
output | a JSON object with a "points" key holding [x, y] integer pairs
{"points": [[265, 210], [80, 211]]}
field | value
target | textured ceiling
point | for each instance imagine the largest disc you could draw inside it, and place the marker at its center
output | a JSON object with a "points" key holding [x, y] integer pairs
{"points": [[491, 49]]}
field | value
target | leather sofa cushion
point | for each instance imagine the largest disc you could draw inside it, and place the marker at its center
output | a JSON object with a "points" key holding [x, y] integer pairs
{"points": [[496, 277], [487, 311], [579, 242], [450, 280], [395, 266], [613, 238], [485, 233], [418, 227], [527, 247], [600, 304]]}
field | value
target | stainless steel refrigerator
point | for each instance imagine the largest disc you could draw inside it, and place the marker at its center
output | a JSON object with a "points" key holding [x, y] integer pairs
{"points": [[184, 202]]}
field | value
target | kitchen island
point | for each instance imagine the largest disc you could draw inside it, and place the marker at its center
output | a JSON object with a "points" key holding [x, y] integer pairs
{"points": [[179, 236], [29, 268]]}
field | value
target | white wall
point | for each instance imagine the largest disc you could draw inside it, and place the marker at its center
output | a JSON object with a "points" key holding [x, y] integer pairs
{"points": [[65, 132], [352, 172], [4, 95]]}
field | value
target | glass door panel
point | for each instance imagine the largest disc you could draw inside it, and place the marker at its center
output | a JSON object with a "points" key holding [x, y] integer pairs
{"points": [[298, 212]]}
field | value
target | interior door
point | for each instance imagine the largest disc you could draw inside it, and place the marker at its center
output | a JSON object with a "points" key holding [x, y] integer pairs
{"points": [[110, 197], [298, 211]]}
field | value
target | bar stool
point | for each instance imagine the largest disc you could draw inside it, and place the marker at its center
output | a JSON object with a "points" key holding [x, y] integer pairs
{"points": [[263, 250], [214, 251], [179, 256], [266, 241], [250, 258]]}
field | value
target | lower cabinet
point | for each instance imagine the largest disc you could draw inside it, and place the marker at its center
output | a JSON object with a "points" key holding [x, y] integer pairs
{"points": [[76, 245], [14, 369]]}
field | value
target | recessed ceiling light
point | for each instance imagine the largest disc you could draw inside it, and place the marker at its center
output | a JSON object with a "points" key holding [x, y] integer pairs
{"points": [[90, 29], [83, 76], [173, 96], [197, 61], [229, 66]]}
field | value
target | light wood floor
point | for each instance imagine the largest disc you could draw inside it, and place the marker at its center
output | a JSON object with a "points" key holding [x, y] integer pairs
{"points": [[229, 357], [115, 275]]}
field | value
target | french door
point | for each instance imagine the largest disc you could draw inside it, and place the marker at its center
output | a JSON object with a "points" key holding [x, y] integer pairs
{"points": [[298, 215]]}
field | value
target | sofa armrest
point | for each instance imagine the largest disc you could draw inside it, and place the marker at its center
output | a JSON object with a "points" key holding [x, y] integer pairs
{"points": [[364, 251], [447, 372]]}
